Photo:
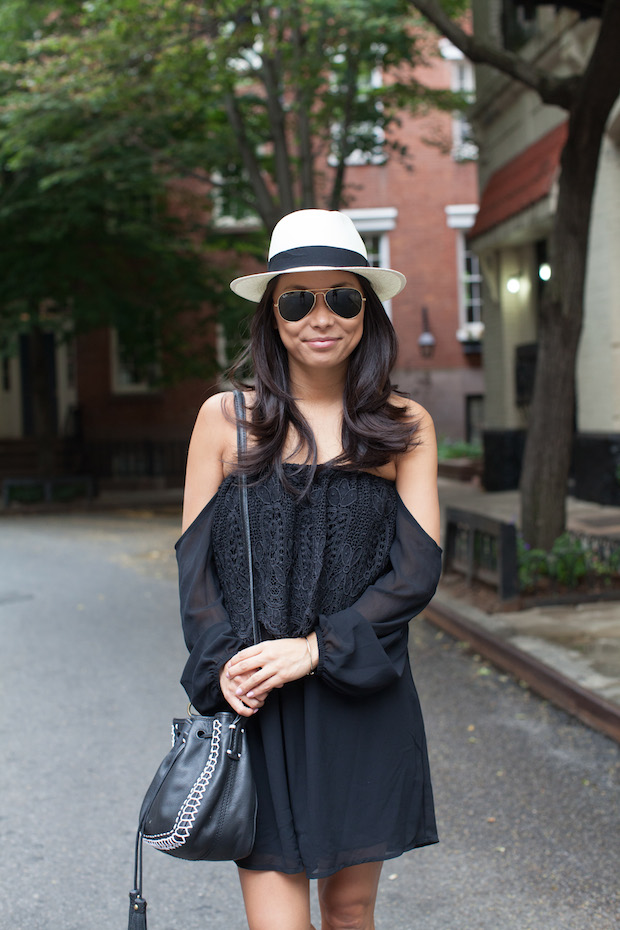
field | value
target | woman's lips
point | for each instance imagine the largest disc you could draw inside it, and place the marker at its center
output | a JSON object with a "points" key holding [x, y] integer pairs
{"points": [[321, 341]]}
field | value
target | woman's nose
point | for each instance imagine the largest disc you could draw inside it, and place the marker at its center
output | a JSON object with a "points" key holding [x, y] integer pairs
{"points": [[321, 314]]}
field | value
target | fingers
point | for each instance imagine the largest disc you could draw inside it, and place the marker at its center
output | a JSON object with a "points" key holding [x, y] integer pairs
{"points": [[245, 660], [243, 705], [254, 684], [248, 692], [259, 669], [240, 703], [248, 678]]}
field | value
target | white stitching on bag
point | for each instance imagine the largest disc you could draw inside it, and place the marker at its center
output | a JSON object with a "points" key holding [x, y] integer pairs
{"points": [[189, 809]]}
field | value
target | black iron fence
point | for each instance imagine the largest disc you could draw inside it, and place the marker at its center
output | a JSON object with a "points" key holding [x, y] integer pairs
{"points": [[119, 461], [482, 549], [135, 459]]}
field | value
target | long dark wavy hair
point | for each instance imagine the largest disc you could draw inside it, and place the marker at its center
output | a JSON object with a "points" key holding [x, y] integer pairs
{"points": [[374, 429]]}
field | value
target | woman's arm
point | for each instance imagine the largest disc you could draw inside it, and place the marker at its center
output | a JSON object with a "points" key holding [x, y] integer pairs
{"points": [[206, 625], [213, 444], [416, 474], [364, 648]]}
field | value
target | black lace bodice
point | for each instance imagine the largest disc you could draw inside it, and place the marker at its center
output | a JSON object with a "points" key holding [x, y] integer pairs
{"points": [[312, 555]]}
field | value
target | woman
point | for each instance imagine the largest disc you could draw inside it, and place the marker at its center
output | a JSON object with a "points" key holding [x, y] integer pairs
{"points": [[345, 525]]}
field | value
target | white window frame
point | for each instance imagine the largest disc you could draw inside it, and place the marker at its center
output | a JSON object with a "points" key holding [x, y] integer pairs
{"points": [[462, 80], [247, 223], [119, 385], [377, 221], [462, 217]]}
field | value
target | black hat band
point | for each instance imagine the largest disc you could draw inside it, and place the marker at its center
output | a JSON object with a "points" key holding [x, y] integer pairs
{"points": [[309, 255]]}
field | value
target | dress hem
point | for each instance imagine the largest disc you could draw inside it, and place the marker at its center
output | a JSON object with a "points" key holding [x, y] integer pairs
{"points": [[325, 873]]}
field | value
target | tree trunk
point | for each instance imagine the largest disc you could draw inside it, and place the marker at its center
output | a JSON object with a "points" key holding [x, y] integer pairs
{"points": [[266, 206], [550, 433], [549, 441], [341, 166], [277, 120]]}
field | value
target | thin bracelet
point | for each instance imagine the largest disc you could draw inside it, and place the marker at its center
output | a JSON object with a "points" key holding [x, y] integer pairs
{"points": [[311, 672]]}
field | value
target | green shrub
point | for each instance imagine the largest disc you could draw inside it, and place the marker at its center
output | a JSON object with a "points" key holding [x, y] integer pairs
{"points": [[570, 561], [458, 449], [27, 493]]}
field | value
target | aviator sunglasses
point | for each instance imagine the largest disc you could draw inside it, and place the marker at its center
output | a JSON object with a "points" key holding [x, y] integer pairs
{"points": [[346, 302]]}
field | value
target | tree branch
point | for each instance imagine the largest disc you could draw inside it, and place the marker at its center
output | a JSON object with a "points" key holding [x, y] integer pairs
{"points": [[551, 89], [349, 100], [264, 202], [277, 123], [305, 145]]}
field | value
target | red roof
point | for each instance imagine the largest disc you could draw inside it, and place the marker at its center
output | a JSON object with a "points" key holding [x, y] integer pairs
{"points": [[522, 181]]}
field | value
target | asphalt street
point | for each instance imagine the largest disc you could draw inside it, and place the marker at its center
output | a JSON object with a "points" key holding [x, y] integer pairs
{"points": [[528, 799]]}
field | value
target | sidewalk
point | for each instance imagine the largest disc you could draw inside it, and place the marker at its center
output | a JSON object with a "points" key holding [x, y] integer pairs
{"points": [[570, 653]]}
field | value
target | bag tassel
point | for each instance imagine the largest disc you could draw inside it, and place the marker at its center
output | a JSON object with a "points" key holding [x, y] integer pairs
{"points": [[137, 911], [137, 904]]}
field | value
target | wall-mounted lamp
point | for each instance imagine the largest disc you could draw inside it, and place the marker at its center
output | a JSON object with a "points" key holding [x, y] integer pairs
{"points": [[426, 340], [513, 284], [544, 271]]}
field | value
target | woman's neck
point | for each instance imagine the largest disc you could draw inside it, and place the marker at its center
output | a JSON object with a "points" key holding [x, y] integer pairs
{"points": [[317, 388]]}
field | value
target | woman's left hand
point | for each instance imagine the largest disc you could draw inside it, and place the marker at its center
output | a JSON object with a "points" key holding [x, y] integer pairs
{"points": [[265, 666]]}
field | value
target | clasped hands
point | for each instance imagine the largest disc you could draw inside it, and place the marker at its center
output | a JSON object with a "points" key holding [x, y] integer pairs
{"points": [[247, 678]]}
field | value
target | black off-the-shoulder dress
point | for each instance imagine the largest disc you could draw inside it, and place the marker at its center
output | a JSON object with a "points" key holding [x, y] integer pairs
{"points": [[339, 757]]}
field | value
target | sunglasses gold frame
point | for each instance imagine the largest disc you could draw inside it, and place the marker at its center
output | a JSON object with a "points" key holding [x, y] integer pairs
{"points": [[323, 291]]}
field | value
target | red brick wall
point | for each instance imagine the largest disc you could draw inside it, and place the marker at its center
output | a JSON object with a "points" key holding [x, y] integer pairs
{"points": [[160, 415], [422, 246]]}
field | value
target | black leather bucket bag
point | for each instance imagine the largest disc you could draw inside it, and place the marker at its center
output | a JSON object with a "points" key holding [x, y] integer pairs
{"points": [[202, 801]]}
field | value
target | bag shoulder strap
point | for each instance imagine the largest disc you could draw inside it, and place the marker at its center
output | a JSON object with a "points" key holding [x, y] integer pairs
{"points": [[137, 904], [245, 515]]}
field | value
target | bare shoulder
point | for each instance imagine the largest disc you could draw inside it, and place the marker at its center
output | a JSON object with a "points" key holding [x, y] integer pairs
{"points": [[416, 470], [212, 449], [419, 416], [216, 412]]}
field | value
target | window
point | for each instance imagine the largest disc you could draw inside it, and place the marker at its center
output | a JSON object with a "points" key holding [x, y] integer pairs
{"points": [[471, 284], [133, 371], [372, 241], [373, 225], [462, 81], [230, 209], [474, 418], [461, 217]]}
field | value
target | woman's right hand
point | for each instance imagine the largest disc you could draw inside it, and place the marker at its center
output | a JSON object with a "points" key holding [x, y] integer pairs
{"points": [[246, 706]]}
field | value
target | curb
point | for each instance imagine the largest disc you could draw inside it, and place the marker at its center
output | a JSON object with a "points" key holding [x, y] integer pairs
{"points": [[588, 707]]}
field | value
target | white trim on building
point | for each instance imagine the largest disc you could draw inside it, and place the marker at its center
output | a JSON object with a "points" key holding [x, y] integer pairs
{"points": [[377, 221]]}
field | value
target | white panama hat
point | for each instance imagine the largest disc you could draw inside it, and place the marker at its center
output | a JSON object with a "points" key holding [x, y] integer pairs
{"points": [[318, 240]]}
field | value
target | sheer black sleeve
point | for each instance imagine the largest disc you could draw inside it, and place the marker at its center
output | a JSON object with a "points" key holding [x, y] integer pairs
{"points": [[364, 647], [206, 626]]}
